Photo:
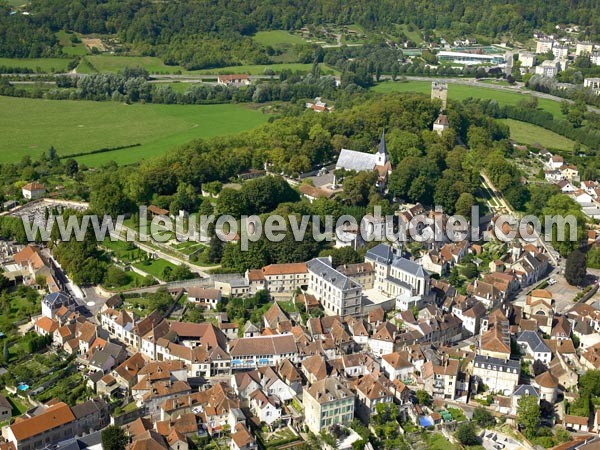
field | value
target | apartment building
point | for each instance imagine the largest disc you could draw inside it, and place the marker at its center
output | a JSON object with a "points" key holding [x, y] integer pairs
{"points": [[337, 293], [327, 402], [499, 375]]}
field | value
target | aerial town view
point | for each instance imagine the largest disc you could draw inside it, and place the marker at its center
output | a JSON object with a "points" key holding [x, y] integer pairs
{"points": [[299, 225]]}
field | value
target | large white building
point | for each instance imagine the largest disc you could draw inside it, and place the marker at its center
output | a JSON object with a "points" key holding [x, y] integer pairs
{"points": [[337, 293], [498, 375], [397, 276]]}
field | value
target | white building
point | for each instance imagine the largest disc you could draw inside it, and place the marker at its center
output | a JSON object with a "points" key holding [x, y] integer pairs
{"points": [[583, 47], [499, 375], [527, 59], [593, 84], [560, 51], [337, 293], [548, 68], [395, 275], [534, 347], [544, 45], [32, 191]]}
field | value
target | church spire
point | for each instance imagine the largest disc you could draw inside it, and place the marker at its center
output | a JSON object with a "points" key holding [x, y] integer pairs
{"points": [[382, 146]]}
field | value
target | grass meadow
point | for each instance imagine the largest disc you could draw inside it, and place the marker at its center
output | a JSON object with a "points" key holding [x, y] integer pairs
{"points": [[31, 126]]}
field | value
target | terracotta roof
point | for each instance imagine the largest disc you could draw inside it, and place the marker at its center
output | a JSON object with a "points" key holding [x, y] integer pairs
{"points": [[54, 417], [255, 275], [576, 420], [263, 345], [158, 211], [34, 186], [242, 436], [129, 369], [284, 269], [546, 380], [397, 360], [198, 292], [47, 324]]}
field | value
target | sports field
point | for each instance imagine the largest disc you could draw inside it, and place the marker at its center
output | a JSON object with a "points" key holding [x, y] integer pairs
{"points": [[462, 91], [526, 133], [31, 126]]}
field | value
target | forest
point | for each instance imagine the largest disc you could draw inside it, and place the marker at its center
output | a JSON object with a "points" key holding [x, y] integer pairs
{"points": [[201, 33]]}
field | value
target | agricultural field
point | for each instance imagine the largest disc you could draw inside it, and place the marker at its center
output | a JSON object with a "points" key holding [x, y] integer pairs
{"points": [[31, 126], [259, 69], [462, 91], [38, 65], [277, 38], [110, 63], [526, 133]]}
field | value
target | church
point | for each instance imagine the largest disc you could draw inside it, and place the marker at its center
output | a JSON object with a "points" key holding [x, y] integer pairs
{"points": [[361, 162]]}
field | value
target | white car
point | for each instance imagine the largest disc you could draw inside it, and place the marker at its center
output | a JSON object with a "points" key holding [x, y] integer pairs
{"points": [[551, 281]]}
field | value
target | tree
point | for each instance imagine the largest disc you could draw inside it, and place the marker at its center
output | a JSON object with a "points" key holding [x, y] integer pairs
{"points": [[528, 413], [423, 398], [483, 417], [71, 167], [466, 434], [464, 204], [113, 438], [575, 269], [115, 277]]}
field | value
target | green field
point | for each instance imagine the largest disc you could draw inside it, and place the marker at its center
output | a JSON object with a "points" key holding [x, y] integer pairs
{"points": [[109, 63], [37, 64], [526, 133], [155, 267], [68, 47], [31, 126], [259, 69], [462, 91], [277, 38]]}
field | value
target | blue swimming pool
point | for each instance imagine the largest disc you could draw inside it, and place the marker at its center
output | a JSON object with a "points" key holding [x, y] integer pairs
{"points": [[425, 421], [23, 387]]}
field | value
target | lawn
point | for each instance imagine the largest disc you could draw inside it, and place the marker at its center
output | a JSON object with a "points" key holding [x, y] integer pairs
{"points": [[526, 133], [40, 65], [31, 126], [277, 38], [461, 92], [155, 267]]}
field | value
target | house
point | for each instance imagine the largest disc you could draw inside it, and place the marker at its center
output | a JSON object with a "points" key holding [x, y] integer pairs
{"points": [[319, 106], [570, 172], [267, 408], [45, 326], [51, 303], [441, 124], [313, 193], [33, 191], [337, 293], [565, 186], [382, 340], [371, 391], [556, 162], [241, 439], [470, 312], [397, 366], [520, 391], [253, 352], [534, 347], [209, 298], [327, 402], [255, 280], [499, 375], [441, 380], [234, 80], [5, 409]]}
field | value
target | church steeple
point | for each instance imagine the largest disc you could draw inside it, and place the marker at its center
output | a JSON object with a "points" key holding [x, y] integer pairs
{"points": [[382, 150]]}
